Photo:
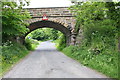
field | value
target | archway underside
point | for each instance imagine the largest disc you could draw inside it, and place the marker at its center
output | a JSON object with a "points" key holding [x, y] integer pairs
{"points": [[50, 24]]}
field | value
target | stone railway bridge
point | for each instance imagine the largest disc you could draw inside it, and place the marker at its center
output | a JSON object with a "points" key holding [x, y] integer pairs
{"points": [[59, 18]]}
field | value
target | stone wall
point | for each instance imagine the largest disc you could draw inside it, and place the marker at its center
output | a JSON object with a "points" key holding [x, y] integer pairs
{"points": [[53, 11], [59, 15], [79, 37], [56, 14]]}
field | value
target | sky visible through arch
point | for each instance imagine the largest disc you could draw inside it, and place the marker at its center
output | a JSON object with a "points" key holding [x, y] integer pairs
{"points": [[49, 3]]}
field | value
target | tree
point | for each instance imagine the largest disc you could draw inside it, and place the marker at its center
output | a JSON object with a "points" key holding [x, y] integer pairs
{"points": [[45, 34], [99, 21], [114, 14], [13, 20]]}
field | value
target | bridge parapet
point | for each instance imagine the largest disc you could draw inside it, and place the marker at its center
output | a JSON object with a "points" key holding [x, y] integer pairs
{"points": [[54, 11]]}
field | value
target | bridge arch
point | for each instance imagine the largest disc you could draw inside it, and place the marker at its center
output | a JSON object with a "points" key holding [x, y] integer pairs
{"points": [[62, 27]]}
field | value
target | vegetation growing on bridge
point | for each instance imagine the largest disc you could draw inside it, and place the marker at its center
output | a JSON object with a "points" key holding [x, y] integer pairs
{"points": [[99, 47]]}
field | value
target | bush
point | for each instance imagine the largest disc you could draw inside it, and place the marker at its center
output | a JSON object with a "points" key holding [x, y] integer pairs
{"points": [[31, 44], [107, 63], [28, 44], [100, 31], [61, 43], [11, 53]]}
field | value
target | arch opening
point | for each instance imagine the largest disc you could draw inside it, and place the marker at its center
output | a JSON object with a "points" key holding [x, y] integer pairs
{"points": [[45, 34], [50, 24]]}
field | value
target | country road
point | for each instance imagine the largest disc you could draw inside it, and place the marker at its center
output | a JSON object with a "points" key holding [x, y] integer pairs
{"points": [[47, 62]]}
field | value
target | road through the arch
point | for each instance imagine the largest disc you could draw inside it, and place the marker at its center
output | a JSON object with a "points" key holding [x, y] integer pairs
{"points": [[47, 62]]}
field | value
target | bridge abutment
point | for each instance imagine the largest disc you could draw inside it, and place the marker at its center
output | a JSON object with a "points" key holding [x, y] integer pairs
{"points": [[73, 39]]}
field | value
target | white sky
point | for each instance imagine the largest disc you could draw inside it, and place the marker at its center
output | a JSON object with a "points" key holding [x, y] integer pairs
{"points": [[49, 3]]}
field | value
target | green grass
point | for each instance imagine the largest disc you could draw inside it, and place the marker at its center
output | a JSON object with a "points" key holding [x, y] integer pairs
{"points": [[104, 63], [12, 53]]}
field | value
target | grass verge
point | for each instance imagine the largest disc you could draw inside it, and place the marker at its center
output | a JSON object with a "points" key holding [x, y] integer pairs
{"points": [[104, 63], [31, 44], [13, 52]]}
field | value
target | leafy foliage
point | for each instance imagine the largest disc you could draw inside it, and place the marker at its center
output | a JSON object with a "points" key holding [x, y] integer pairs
{"points": [[106, 63], [31, 44], [61, 42], [44, 34], [13, 25], [13, 19], [11, 53], [99, 22]]}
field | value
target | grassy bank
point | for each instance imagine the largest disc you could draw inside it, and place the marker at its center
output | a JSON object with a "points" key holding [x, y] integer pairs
{"points": [[31, 44], [104, 63], [13, 52], [100, 55], [60, 42]]}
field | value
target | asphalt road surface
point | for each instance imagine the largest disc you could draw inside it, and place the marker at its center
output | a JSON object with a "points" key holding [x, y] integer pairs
{"points": [[47, 62]]}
